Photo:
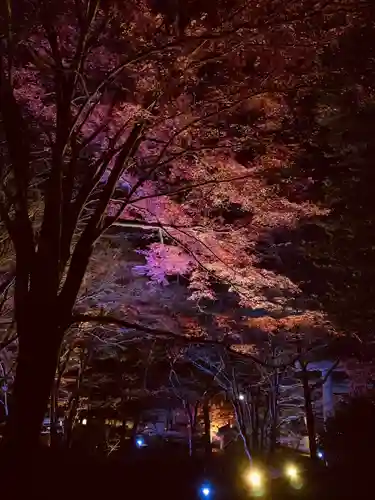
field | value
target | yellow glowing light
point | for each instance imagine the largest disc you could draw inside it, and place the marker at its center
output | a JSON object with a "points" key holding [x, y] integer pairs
{"points": [[292, 472], [255, 478]]}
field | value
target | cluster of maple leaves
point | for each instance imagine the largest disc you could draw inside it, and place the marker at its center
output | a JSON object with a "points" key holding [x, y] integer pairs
{"points": [[216, 90]]}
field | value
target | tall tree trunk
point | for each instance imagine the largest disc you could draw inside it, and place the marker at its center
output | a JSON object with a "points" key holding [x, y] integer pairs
{"points": [[74, 401], [54, 417], [274, 412], [136, 421], [242, 428], [53, 433], [192, 413], [310, 419], [256, 426], [273, 435], [207, 428], [4, 389], [123, 433], [69, 421], [36, 365], [190, 427]]}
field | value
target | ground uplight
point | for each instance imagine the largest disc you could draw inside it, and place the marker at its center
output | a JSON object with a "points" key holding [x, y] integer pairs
{"points": [[255, 478], [140, 442], [206, 491], [291, 471]]}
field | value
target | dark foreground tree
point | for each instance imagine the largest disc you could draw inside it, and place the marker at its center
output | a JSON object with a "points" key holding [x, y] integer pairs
{"points": [[349, 438], [348, 445]]}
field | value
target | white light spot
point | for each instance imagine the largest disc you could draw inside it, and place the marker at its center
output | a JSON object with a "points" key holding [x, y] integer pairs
{"points": [[255, 479], [291, 472]]}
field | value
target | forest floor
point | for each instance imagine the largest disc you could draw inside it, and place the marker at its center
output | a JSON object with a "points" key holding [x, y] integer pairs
{"points": [[71, 475]]}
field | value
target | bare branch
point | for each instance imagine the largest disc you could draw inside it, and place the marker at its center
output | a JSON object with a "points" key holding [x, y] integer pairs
{"points": [[179, 338]]}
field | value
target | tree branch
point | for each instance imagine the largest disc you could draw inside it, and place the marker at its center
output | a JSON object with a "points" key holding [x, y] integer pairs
{"points": [[168, 335], [191, 186]]}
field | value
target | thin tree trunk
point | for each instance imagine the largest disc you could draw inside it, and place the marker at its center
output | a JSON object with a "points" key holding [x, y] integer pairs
{"points": [[264, 434], [4, 389], [242, 430], [256, 426], [190, 440], [136, 421], [252, 422], [310, 420], [207, 428], [124, 432], [273, 435], [124, 428], [274, 412], [54, 438], [53, 411], [74, 400], [190, 427], [70, 420], [53, 434]]}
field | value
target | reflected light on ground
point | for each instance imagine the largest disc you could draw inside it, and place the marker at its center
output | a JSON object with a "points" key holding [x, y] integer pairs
{"points": [[294, 476]]}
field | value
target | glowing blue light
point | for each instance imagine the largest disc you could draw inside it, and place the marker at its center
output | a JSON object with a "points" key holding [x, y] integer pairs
{"points": [[206, 491], [140, 442], [320, 454]]}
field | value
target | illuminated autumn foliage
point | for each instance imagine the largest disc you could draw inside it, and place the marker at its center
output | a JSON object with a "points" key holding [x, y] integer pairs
{"points": [[182, 125]]}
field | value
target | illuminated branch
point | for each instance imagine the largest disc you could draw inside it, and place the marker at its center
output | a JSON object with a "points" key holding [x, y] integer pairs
{"points": [[193, 186], [180, 338]]}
